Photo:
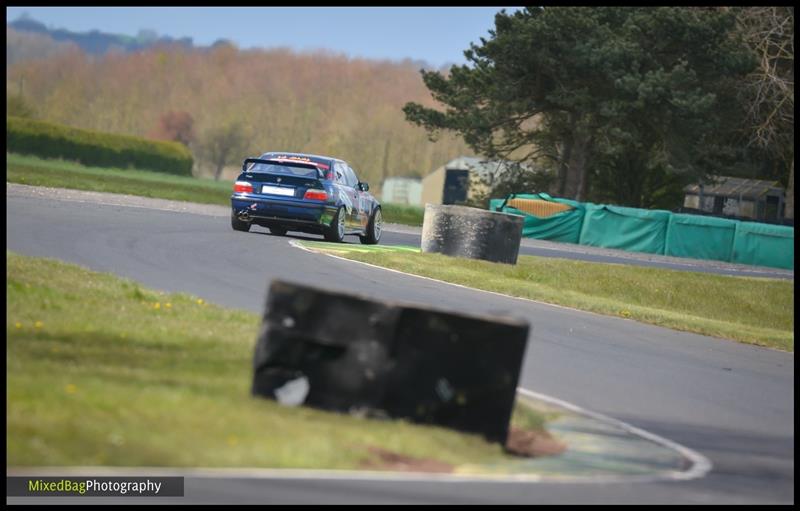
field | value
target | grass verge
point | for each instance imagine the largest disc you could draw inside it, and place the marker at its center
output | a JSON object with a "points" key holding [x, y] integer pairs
{"points": [[30, 170], [402, 214], [101, 371], [750, 310]]}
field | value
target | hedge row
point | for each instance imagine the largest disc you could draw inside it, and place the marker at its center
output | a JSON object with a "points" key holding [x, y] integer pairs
{"points": [[95, 148]]}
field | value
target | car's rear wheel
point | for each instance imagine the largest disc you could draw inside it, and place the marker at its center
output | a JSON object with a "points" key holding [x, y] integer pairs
{"points": [[335, 232], [278, 231], [374, 228], [238, 225]]}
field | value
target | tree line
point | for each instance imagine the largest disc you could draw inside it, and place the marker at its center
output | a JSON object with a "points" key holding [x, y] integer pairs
{"points": [[627, 104], [623, 105], [226, 103]]}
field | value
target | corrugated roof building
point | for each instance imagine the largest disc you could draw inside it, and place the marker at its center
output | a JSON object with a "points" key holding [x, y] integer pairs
{"points": [[737, 197], [459, 179]]}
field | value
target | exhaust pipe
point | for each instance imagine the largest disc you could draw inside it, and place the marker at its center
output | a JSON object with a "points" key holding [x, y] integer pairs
{"points": [[244, 214]]}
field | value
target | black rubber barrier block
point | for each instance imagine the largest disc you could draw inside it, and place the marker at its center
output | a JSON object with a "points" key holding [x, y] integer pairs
{"points": [[461, 231], [348, 353]]}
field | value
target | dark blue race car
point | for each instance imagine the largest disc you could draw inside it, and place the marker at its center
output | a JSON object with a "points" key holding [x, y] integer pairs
{"points": [[304, 192]]}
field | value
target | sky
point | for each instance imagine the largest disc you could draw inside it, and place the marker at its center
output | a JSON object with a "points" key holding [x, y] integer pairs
{"points": [[437, 35]]}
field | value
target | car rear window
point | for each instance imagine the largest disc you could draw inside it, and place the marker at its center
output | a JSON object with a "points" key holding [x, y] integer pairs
{"points": [[289, 170]]}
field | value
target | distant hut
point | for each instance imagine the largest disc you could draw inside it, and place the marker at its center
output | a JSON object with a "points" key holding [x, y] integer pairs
{"points": [[737, 197]]}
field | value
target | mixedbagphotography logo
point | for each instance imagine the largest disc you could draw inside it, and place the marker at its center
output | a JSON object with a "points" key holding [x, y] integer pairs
{"points": [[94, 486], [64, 485]]}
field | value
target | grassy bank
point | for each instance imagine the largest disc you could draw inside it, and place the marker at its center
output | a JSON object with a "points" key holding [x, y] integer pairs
{"points": [[403, 214], [101, 371], [751, 310], [33, 171]]}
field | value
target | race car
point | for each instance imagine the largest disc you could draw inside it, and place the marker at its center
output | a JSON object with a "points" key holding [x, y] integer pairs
{"points": [[307, 193]]}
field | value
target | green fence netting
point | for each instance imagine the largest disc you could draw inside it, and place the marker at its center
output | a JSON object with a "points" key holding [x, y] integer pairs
{"points": [[764, 245], [564, 226], [658, 232], [700, 237], [633, 229]]}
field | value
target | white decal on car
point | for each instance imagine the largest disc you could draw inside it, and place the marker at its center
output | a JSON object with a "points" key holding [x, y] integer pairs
{"points": [[348, 204]]}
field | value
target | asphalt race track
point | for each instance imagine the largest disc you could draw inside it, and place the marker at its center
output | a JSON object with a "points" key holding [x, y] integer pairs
{"points": [[731, 402]]}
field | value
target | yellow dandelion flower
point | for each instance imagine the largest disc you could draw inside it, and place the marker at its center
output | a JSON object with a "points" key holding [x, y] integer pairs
{"points": [[199, 301], [168, 305], [18, 324], [157, 305], [71, 388], [38, 324]]}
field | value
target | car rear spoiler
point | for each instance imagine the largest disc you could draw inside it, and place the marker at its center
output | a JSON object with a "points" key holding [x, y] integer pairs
{"points": [[308, 164]]}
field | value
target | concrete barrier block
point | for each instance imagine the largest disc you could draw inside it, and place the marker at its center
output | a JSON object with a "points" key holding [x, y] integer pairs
{"points": [[474, 233], [350, 353]]}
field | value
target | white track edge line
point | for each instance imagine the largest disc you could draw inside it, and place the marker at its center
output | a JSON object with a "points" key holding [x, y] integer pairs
{"points": [[700, 465], [297, 244]]}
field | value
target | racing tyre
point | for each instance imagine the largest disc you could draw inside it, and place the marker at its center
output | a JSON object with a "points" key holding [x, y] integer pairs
{"points": [[335, 232], [374, 228], [278, 231], [238, 225]]}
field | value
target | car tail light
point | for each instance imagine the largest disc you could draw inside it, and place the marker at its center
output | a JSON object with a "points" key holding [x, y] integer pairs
{"points": [[242, 187], [316, 195]]}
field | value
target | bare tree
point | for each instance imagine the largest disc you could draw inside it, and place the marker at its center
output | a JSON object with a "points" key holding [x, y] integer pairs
{"points": [[177, 126], [223, 145], [769, 90], [18, 106]]}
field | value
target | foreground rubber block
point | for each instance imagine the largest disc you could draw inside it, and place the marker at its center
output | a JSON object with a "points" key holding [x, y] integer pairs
{"points": [[460, 231], [349, 353]]}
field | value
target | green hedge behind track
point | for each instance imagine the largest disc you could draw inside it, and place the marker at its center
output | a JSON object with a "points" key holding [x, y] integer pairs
{"points": [[50, 140]]}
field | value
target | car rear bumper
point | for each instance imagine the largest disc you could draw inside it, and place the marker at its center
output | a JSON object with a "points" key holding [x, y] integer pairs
{"points": [[279, 211]]}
